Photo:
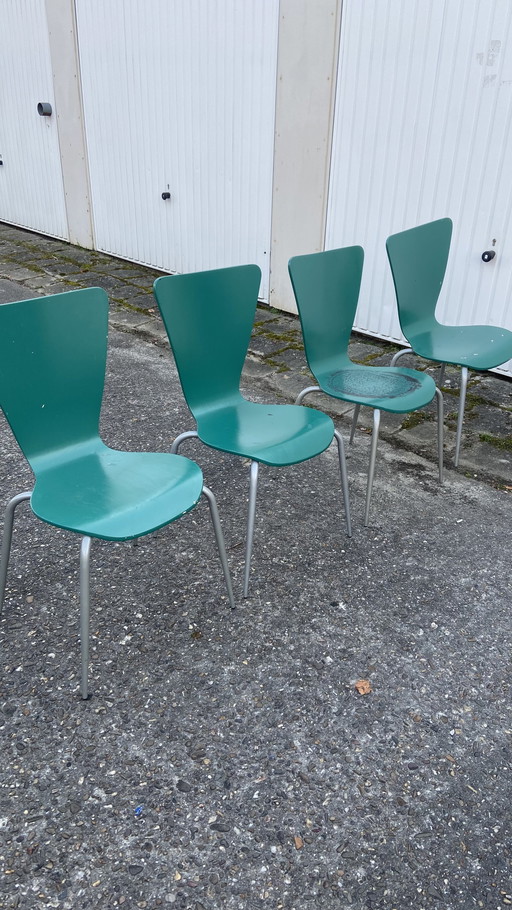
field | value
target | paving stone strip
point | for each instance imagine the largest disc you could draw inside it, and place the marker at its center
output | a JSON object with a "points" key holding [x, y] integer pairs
{"points": [[44, 265]]}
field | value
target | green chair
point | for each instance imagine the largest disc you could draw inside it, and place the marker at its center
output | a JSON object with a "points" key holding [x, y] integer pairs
{"points": [[326, 287], [209, 317], [418, 260], [52, 369]]}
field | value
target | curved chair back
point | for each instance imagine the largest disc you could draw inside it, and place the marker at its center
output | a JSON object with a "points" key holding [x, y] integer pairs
{"points": [[326, 289], [418, 259], [52, 369], [208, 317]]}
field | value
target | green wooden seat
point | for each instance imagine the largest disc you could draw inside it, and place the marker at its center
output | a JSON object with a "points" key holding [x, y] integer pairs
{"points": [[326, 287], [52, 369], [418, 259], [209, 317]]}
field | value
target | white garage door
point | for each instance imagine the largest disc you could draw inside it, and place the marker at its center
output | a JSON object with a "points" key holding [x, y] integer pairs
{"points": [[31, 187], [423, 129], [179, 99]]}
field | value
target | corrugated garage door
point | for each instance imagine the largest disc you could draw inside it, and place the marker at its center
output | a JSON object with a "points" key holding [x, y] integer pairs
{"points": [[423, 129], [179, 99], [31, 187]]}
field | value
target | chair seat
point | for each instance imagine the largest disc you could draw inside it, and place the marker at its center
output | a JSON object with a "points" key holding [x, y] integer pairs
{"points": [[272, 434], [115, 495], [478, 347], [393, 389]]}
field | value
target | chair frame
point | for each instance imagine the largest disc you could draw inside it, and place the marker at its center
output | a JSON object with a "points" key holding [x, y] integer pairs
{"points": [[418, 271], [317, 273], [53, 440], [253, 489], [209, 317]]}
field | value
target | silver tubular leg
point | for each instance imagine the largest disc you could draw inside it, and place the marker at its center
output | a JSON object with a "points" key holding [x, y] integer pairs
{"points": [[357, 408], [212, 502], [301, 395], [400, 354], [371, 469], [344, 480], [441, 374], [179, 439], [85, 552], [6, 540], [440, 431], [253, 488], [462, 403]]}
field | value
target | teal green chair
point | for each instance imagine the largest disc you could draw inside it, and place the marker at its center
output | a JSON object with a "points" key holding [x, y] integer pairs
{"points": [[418, 259], [209, 318], [52, 369], [326, 287]]}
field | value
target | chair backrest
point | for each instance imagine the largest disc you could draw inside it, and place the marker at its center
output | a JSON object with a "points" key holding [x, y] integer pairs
{"points": [[209, 317], [52, 369], [418, 259], [326, 287]]}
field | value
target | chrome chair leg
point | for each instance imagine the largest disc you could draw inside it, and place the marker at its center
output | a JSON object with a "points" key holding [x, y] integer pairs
{"points": [[253, 488], [441, 375], [301, 395], [357, 408], [440, 432], [460, 419], [400, 354], [179, 439], [371, 469], [6, 540], [212, 502], [85, 551], [344, 480]]}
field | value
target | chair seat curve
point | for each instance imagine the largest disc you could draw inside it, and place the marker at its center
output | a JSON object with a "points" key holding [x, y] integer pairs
{"points": [[278, 435], [116, 495], [397, 390], [479, 347]]}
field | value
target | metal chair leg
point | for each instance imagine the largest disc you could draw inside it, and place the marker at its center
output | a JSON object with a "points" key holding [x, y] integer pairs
{"points": [[85, 551], [344, 480], [371, 469], [179, 439], [460, 419], [253, 488], [440, 432], [400, 354], [441, 375], [212, 502], [301, 395], [357, 408], [6, 540]]}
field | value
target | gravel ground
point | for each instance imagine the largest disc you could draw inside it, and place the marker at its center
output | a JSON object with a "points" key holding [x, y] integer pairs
{"points": [[226, 758]]}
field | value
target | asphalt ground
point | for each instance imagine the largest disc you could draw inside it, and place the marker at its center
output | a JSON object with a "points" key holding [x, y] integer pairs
{"points": [[226, 758]]}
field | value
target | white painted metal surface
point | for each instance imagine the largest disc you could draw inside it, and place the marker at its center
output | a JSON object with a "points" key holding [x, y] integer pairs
{"points": [[31, 188], [423, 129], [179, 97]]}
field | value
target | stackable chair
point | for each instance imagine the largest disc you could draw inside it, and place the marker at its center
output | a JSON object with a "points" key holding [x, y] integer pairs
{"points": [[209, 317], [326, 287], [418, 260], [52, 370]]}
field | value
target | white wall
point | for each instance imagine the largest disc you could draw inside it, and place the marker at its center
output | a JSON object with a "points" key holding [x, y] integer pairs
{"points": [[307, 67]]}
